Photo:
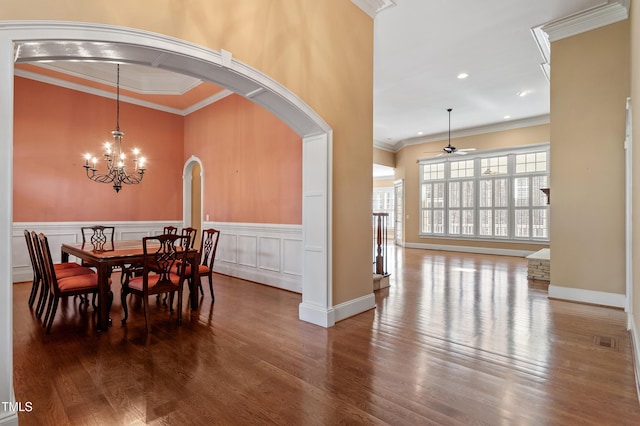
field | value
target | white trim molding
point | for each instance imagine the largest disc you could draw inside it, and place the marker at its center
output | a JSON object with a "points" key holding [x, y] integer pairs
{"points": [[599, 16], [130, 100], [635, 346], [469, 249], [268, 254], [354, 307], [9, 418], [373, 7], [592, 297]]}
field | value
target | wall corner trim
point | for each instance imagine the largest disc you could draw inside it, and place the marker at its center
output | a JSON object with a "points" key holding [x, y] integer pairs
{"points": [[614, 300], [372, 7], [8, 419], [635, 350], [599, 16], [316, 315]]}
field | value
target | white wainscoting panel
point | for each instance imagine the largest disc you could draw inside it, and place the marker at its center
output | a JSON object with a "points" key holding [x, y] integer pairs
{"points": [[264, 253], [247, 250], [69, 232]]}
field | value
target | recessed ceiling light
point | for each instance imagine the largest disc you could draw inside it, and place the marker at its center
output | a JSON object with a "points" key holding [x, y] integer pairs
{"points": [[506, 117], [420, 133], [522, 93], [463, 75]]}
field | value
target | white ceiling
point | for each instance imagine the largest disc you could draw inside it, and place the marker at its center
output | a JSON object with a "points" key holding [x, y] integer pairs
{"points": [[421, 46]]}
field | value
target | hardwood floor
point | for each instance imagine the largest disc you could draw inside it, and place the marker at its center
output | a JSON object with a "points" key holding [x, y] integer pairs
{"points": [[457, 339]]}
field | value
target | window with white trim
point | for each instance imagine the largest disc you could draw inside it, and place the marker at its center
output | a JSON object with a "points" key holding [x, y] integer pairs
{"points": [[493, 195]]}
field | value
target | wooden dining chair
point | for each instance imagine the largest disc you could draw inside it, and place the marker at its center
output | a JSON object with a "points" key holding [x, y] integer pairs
{"points": [[99, 236], [192, 233], [208, 247], [84, 281], [172, 230], [62, 269], [161, 255]]}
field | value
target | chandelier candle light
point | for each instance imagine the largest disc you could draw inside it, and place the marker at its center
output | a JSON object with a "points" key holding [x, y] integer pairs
{"points": [[115, 157]]}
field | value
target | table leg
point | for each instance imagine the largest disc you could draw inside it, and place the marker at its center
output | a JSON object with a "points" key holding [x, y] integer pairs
{"points": [[64, 256], [195, 281], [104, 297]]}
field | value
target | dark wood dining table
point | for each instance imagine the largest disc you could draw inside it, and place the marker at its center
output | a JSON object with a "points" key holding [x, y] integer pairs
{"points": [[119, 253]]}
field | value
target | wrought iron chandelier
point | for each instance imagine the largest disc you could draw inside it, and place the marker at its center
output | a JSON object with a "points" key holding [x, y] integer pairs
{"points": [[115, 157]]}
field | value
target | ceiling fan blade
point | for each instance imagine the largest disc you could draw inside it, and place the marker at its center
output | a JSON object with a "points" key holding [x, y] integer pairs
{"points": [[459, 152], [466, 149]]}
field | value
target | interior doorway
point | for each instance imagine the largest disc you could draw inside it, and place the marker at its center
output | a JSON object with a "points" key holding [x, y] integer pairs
{"points": [[193, 196]]}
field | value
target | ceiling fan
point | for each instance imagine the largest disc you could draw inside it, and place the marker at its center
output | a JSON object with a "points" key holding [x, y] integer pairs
{"points": [[449, 149]]}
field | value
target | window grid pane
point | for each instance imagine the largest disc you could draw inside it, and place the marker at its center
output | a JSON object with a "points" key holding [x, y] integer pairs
{"points": [[504, 205], [522, 223], [433, 171], [485, 226], [486, 193], [501, 228], [454, 195], [495, 166], [521, 192], [463, 168]]}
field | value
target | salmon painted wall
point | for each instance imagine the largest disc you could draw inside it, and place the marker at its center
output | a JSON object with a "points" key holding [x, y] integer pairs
{"points": [[252, 163], [54, 127]]}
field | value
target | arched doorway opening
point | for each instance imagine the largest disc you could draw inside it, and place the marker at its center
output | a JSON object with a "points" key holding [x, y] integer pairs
{"points": [[51, 40], [192, 194]]}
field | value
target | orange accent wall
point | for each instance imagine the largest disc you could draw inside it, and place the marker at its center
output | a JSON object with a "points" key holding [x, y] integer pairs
{"points": [[252, 163], [54, 127]]}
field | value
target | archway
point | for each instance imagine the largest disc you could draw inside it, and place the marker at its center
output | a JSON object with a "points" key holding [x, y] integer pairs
{"points": [[50, 40], [192, 193]]}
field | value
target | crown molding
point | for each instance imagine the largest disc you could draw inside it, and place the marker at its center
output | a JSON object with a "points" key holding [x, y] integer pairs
{"points": [[373, 7], [385, 146], [607, 13], [105, 94], [472, 131], [145, 81]]}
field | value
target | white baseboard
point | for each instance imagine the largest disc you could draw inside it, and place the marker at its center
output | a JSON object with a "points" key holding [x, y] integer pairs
{"points": [[468, 249], [354, 307], [316, 315], [8, 419], [588, 296], [614, 300], [635, 351]]}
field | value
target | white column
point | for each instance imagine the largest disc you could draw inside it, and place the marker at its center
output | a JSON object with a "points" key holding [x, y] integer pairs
{"points": [[316, 306], [6, 218]]}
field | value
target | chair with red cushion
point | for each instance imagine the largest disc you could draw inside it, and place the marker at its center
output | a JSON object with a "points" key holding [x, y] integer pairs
{"points": [[62, 269], [83, 281], [208, 247], [161, 255], [192, 234]]}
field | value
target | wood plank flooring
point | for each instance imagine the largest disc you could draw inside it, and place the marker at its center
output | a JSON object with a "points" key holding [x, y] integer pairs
{"points": [[457, 339]]}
